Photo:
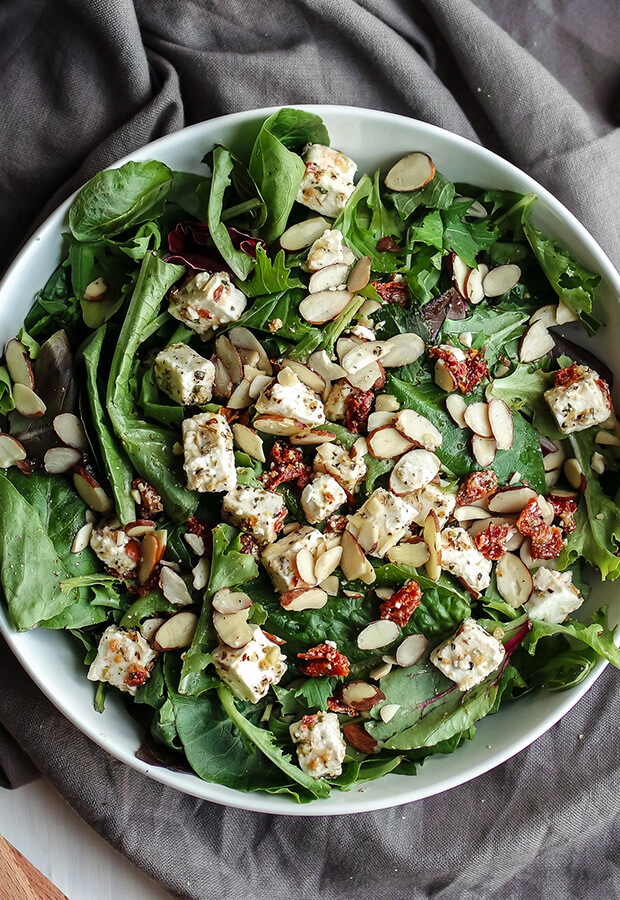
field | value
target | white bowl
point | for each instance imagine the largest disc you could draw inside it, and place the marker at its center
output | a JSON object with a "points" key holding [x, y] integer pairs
{"points": [[371, 138]]}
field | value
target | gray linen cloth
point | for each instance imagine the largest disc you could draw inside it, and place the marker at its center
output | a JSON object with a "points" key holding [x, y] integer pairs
{"points": [[84, 82]]}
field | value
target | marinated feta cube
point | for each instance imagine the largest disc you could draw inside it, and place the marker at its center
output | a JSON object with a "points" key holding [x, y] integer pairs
{"points": [[381, 522], [328, 250], [328, 180], [581, 402], [554, 596], [115, 549], [469, 655], [209, 458], [124, 659], [336, 403], [184, 375], [280, 557], [348, 470], [320, 746], [206, 301], [287, 396], [249, 671], [432, 497], [256, 511], [461, 557], [322, 497]]}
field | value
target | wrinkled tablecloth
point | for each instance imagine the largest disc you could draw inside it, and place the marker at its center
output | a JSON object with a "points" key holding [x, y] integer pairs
{"points": [[84, 82]]}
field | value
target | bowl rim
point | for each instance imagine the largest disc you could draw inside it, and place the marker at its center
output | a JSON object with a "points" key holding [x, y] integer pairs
{"points": [[262, 801]]}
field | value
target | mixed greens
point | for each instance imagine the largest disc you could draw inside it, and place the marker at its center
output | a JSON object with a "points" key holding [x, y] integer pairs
{"points": [[335, 422]]}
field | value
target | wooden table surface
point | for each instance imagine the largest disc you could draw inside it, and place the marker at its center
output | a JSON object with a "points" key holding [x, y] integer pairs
{"points": [[36, 822]]}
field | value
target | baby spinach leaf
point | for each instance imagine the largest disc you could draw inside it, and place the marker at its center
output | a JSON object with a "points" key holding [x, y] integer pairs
{"points": [[55, 307], [239, 262], [6, 393], [116, 199], [443, 605], [184, 191]]}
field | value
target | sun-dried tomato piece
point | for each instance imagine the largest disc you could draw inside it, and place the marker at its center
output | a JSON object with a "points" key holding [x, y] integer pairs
{"points": [[336, 525], [477, 486], [338, 706], [286, 464], [250, 545], [150, 501], [401, 605], [387, 244], [492, 541], [357, 409], [324, 659], [393, 292], [136, 675], [548, 545], [566, 377], [530, 521], [564, 510], [468, 372]]}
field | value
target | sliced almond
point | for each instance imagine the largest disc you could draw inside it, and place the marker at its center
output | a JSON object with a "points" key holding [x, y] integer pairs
{"points": [[546, 314], [357, 737], [360, 695], [554, 459], [418, 429], [195, 543], [414, 470], [249, 441], [484, 449], [353, 561], [331, 585], [432, 536], [82, 538], [243, 339], [241, 397], [410, 173], [303, 234], [359, 275], [176, 633], [386, 403], [378, 634], [304, 563], [403, 350], [329, 278], [228, 602], [474, 291], [470, 513], [70, 430], [388, 711], [546, 509], [233, 630], [173, 587], [379, 419], [509, 500], [514, 580], [379, 672], [363, 355], [366, 378], [346, 343], [200, 574], [278, 425], [501, 422], [18, 364], [326, 563], [96, 291], [456, 406], [501, 279], [222, 383], [477, 418], [27, 403], [411, 650], [230, 357], [574, 474], [387, 443], [552, 477], [139, 528], [320, 362], [304, 598], [535, 343], [526, 557], [607, 439], [91, 491], [306, 375], [460, 274], [324, 306], [259, 384], [410, 554], [443, 377], [11, 451], [564, 494], [310, 438], [565, 314]]}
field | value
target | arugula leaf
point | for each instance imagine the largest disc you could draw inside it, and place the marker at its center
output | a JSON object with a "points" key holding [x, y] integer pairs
{"points": [[116, 199], [270, 276], [437, 194], [424, 274], [316, 692], [522, 388], [495, 329], [429, 231], [239, 262], [361, 233], [466, 239], [597, 635]]}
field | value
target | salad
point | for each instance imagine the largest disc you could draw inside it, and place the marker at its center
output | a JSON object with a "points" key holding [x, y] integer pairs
{"points": [[307, 460]]}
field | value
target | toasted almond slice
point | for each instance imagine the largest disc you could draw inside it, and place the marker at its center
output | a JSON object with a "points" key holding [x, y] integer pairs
{"points": [[250, 360], [384, 593], [431, 533], [443, 377], [484, 449], [304, 598], [379, 419], [366, 378], [91, 491], [411, 650], [417, 429], [195, 542], [514, 580], [228, 602], [139, 528], [387, 443], [501, 422], [501, 279], [564, 494], [150, 626], [241, 397], [346, 343], [509, 500], [482, 524], [304, 563], [303, 234], [309, 438], [27, 403], [470, 513], [222, 383], [70, 430], [366, 310], [546, 509], [320, 362], [18, 364], [546, 314], [331, 585], [11, 451], [173, 587], [326, 563], [565, 314], [368, 536], [82, 538], [242, 339], [456, 406], [278, 425], [329, 278], [363, 355], [176, 633], [477, 418], [249, 441], [413, 470], [353, 561], [474, 291], [460, 275], [574, 474], [360, 695], [410, 554], [230, 357], [324, 306], [379, 672], [607, 439], [403, 350], [535, 343], [386, 403], [359, 275], [554, 459], [388, 711], [410, 173], [357, 737], [234, 629], [552, 477], [259, 384], [150, 555], [306, 375], [200, 574], [96, 291], [598, 463], [378, 634]]}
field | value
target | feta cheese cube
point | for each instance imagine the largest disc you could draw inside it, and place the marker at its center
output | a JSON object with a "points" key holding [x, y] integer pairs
{"points": [[336, 403], [582, 402], [461, 557], [115, 549], [249, 671], [322, 497], [328, 250], [209, 458], [184, 375], [287, 396], [381, 522], [432, 496], [349, 471], [256, 511], [328, 180], [554, 596], [320, 746], [279, 558], [469, 655], [206, 301], [124, 659]]}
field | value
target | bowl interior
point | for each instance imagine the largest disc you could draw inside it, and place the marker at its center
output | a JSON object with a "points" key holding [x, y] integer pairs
{"points": [[51, 658]]}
